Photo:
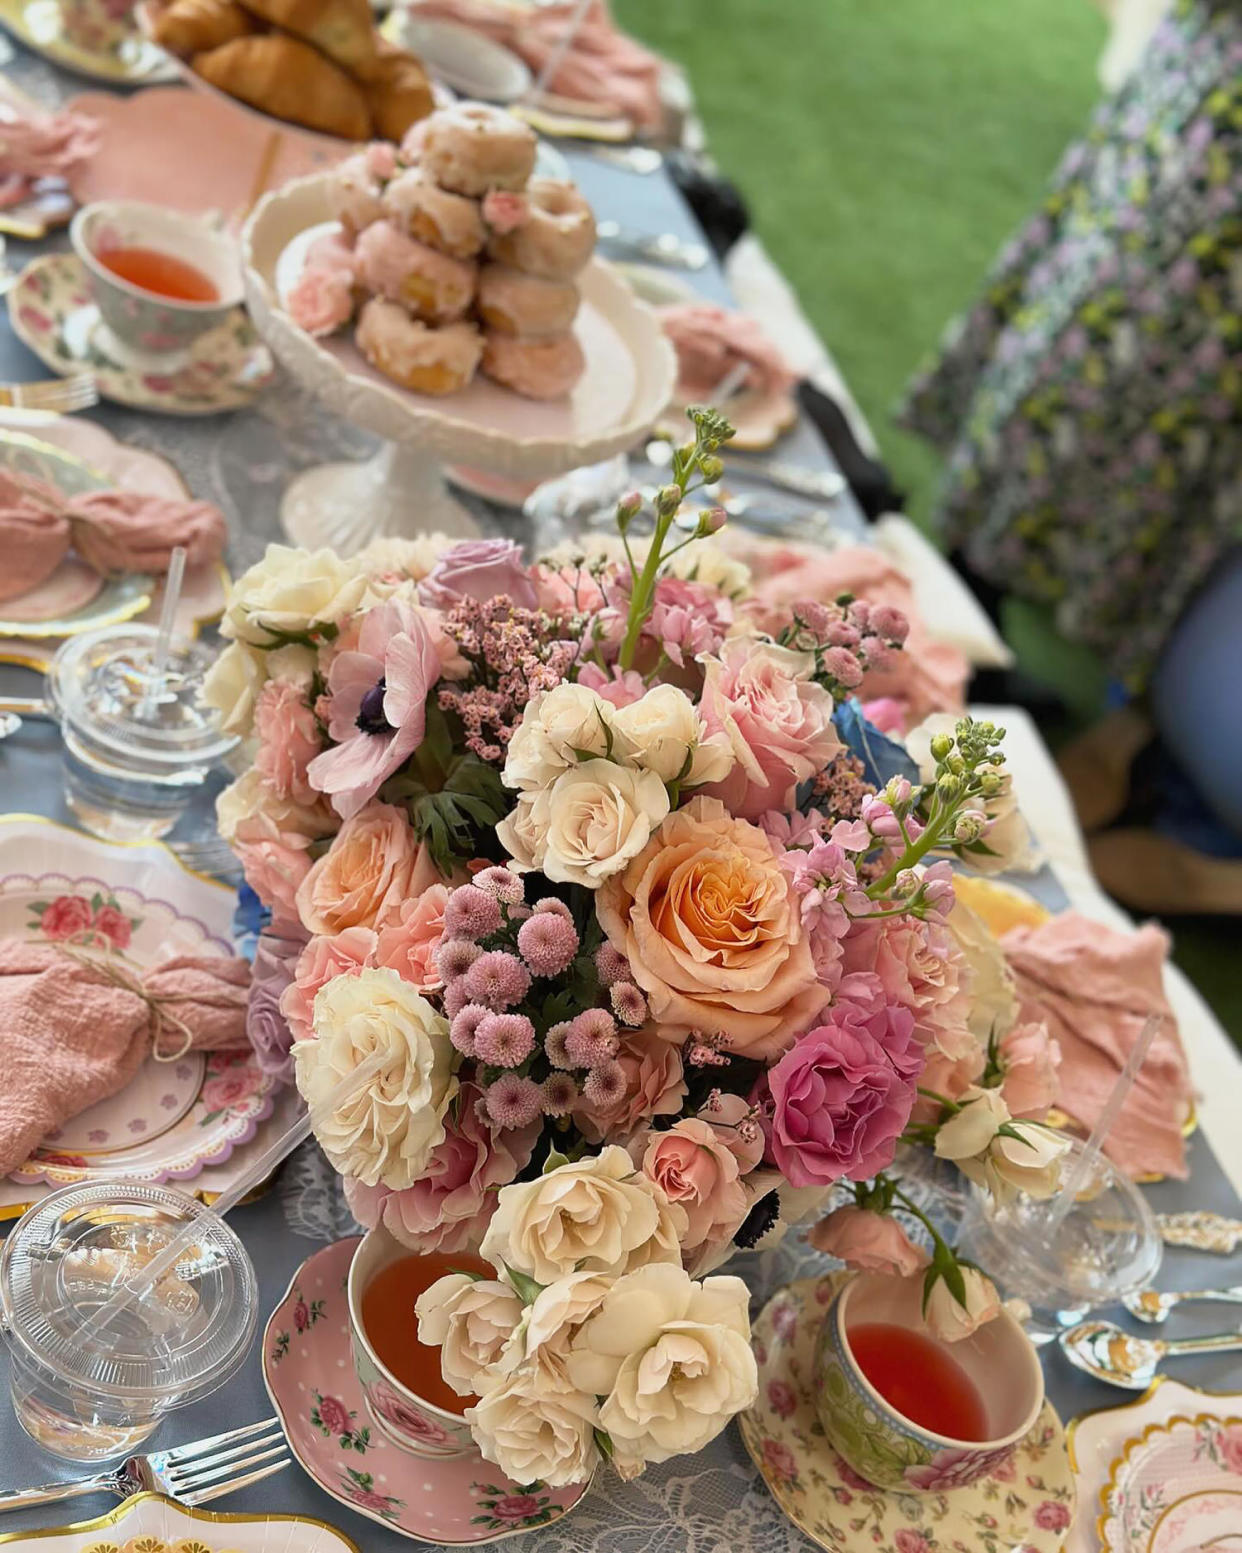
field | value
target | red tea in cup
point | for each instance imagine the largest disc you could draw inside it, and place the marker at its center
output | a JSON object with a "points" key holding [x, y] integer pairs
{"points": [[919, 1377], [391, 1326], [159, 273]]}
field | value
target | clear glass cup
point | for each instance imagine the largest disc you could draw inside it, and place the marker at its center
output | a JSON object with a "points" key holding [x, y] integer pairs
{"points": [[96, 1397], [138, 744]]}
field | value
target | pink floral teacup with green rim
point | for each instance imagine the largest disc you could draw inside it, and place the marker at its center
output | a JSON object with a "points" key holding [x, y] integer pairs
{"points": [[146, 328], [885, 1447], [408, 1420]]}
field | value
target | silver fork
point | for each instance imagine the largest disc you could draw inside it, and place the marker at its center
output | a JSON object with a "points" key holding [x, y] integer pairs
{"points": [[63, 394], [191, 1474]]}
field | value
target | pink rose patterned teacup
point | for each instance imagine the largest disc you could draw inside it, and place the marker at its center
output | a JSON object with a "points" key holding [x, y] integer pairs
{"points": [[402, 1416]]}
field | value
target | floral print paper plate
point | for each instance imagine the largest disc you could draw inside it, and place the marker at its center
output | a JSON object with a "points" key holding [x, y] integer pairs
{"points": [[1176, 1488], [1025, 1506], [309, 1373], [140, 906], [99, 39], [51, 311]]}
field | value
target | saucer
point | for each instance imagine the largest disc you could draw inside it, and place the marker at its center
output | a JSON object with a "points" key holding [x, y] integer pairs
{"points": [[51, 312], [1175, 1487], [94, 38], [1027, 1503], [309, 1374]]}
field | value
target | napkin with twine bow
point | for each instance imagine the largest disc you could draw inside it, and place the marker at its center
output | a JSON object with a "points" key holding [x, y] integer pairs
{"points": [[35, 145], [78, 1026]]}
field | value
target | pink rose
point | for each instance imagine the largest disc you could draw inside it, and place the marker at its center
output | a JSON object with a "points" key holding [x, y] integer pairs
{"points": [[480, 569], [322, 300], [229, 1089], [505, 211], [777, 719], [695, 1169], [320, 962], [409, 945], [908, 1540], [916, 965], [841, 1097], [954, 1467], [852, 1479], [782, 1398], [404, 1415], [66, 917], [1051, 1516], [514, 1507], [274, 870], [450, 1206], [114, 925], [1030, 1058], [335, 1415], [871, 1242], [372, 866], [301, 1316], [780, 1459], [1230, 1442], [288, 740], [654, 1086]]}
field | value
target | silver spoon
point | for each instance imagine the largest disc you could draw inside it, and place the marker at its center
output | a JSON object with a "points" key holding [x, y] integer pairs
{"points": [[1109, 1354], [1153, 1307]]}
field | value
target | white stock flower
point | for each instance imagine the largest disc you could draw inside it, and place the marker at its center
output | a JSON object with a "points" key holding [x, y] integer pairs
{"points": [[598, 1214], [598, 816], [558, 728], [1007, 835], [392, 556], [232, 685], [948, 1319], [706, 561], [672, 1360], [969, 1131], [536, 1427], [385, 1133], [290, 590], [666, 735], [470, 1320]]}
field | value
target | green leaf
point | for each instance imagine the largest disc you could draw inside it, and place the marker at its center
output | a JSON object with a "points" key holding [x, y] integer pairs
{"points": [[526, 1288], [603, 1443], [554, 1161], [97, 901]]}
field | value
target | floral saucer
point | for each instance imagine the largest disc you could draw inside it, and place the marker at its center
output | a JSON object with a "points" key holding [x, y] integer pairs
{"points": [[462, 1502], [1175, 1488], [95, 38], [51, 312], [1025, 1506]]}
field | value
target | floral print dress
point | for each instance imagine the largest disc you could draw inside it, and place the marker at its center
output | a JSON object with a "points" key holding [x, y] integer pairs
{"points": [[1091, 403]]}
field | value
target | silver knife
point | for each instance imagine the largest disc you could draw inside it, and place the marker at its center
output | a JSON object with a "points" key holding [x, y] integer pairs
{"points": [[662, 248], [1199, 1230]]}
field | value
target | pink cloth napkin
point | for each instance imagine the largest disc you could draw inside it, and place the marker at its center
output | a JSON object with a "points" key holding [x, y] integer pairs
{"points": [[711, 341], [603, 66], [34, 533], [128, 531], [1094, 988], [37, 145], [73, 1035]]}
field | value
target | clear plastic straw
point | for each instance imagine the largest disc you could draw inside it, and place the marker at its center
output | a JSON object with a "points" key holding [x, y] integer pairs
{"points": [[149, 1275], [555, 59], [164, 634]]}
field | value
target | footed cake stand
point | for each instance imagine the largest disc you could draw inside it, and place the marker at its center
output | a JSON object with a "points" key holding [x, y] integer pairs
{"points": [[630, 372]]}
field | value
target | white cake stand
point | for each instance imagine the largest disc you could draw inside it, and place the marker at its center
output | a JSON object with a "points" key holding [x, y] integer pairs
{"points": [[629, 377]]}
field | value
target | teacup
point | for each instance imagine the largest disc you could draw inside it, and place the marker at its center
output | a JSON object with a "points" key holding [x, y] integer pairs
{"points": [[143, 323], [408, 1420], [885, 1447]]}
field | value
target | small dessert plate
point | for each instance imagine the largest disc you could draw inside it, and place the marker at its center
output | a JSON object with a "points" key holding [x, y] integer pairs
{"points": [[1175, 1487], [95, 38], [51, 312], [1027, 1503], [310, 1377]]}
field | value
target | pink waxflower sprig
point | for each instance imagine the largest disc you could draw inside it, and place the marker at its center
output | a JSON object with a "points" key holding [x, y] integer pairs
{"points": [[847, 638]]}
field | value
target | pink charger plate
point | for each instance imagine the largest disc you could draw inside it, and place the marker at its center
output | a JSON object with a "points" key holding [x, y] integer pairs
{"points": [[248, 155]]}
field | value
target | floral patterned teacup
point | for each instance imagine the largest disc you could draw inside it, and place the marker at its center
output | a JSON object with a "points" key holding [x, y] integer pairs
{"points": [[406, 1419], [885, 1447], [145, 325]]}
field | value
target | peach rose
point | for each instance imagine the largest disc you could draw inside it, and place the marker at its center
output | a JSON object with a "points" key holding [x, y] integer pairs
{"points": [[408, 946], [654, 1086], [288, 740], [271, 836], [706, 918], [697, 1169], [372, 866], [321, 961], [871, 1242], [1030, 1058]]}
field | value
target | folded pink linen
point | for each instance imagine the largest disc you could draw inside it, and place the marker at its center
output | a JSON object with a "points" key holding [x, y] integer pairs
{"points": [[34, 533], [78, 1026], [129, 531], [711, 341], [1094, 988], [37, 145], [603, 65]]}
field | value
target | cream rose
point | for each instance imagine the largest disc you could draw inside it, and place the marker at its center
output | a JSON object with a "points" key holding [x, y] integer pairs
{"points": [[999, 1154], [672, 1360], [558, 728], [706, 917], [232, 686], [598, 816], [385, 1133], [950, 1320], [522, 830], [295, 664], [469, 1320], [536, 1427], [968, 1133], [666, 735], [597, 1215], [289, 591], [249, 806], [993, 1003]]}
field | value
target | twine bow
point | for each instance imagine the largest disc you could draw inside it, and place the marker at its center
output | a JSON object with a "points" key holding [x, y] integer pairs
{"points": [[162, 1016]]}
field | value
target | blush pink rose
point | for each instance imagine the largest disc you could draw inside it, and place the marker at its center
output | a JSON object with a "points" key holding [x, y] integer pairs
{"points": [[322, 301], [1230, 1442], [274, 867], [449, 1208], [320, 962], [871, 1242], [372, 866], [408, 946], [114, 925], [1051, 1516], [480, 569], [697, 1170], [1030, 1058], [654, 1086], [505, 211], [777, 719], [66, 917], [908, 1540], [288, 740], [917, 965]]}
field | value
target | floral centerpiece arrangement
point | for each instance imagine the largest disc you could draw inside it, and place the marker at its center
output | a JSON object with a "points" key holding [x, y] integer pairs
{"points": [[656, 930]]}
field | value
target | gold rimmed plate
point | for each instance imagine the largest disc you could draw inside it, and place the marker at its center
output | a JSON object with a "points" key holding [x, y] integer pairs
{"points": [[98, 39], [158, 1524]]}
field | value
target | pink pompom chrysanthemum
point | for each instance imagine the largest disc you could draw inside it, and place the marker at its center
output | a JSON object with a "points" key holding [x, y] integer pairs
{"points": [[454, 957], [465, 1024], [498, 979], [554, 1046], [560, 1094], [548, 943], [471, 913], [549, 903], [505, 885], [504, 1040], [611, 965], [604, 1085], [592, 1038], [628, 1003], [513, 1101]]}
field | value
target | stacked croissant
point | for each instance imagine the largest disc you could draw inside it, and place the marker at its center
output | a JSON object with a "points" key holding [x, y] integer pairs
{"points": [[317, 63], [462, 260]]}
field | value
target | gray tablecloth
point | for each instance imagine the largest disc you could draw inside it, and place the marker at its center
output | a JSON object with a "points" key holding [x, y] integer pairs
{"points": [[732, 1512]]}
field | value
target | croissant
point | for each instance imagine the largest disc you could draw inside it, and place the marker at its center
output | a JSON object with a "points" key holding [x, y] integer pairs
{"points": [[287, 78], [192, 26], [343, 29], [397, 91]]}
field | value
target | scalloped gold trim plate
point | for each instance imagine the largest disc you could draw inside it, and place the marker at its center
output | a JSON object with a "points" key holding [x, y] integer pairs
{"points": [[200, 1517]]}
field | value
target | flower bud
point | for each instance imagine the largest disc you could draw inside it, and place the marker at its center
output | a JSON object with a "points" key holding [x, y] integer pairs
{"points": [[712, 521], [711, 468], [968, 827], [628, 508], [948, 785], [990, 783], [941, 745], [668, 499]]}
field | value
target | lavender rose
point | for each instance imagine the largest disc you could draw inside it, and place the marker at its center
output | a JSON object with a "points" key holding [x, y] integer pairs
{"points": [[842, 1095], [266, 1026], [480, 569]]}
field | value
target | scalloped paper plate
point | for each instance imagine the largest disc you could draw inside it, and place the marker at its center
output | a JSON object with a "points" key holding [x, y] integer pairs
{"points": [[167, 1527], [1176, 1488]]}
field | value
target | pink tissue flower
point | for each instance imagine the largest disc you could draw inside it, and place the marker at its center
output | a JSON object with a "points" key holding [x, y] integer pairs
{"points": [[288, 740], [505, 211], [320, 962], [871, 1242], [409, 945], [322, 301]]}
